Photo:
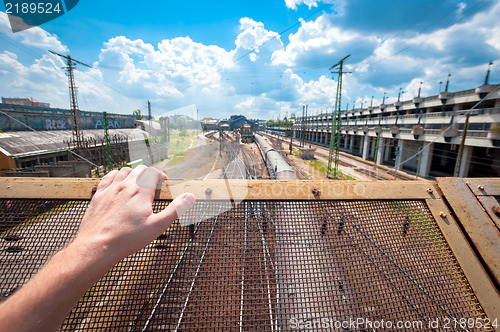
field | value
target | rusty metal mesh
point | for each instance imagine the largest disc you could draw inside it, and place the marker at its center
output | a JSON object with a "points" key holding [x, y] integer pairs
{"points": [[258, 266]]}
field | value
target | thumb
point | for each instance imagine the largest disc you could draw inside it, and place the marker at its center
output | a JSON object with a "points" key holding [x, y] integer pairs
{"points": [[174, 210]]}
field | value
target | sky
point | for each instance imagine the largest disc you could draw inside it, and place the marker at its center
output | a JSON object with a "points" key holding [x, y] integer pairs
{"points": [[262, 59]]}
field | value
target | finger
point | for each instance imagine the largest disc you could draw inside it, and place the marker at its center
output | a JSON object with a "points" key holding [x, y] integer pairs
{"points": [[149, 178], [122, 174], [174, 210], [107, 180], [136, 172]]}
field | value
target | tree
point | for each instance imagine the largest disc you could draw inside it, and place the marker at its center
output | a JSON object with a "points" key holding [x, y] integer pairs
{"points": [[138, 114], [181, 123]]}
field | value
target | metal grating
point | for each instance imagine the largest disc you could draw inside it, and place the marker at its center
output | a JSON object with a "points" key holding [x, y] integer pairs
{"points": [[258, 266]]}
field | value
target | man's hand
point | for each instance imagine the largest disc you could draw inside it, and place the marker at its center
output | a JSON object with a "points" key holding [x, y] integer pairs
{"points": [[120, 216], [118, 222]]}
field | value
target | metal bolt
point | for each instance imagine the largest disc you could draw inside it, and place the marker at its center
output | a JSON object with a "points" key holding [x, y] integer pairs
{"points": [[208, 193], [316, 192], [496, 210], [94, 190], [429, 190], [442, 214], [480, 187]]}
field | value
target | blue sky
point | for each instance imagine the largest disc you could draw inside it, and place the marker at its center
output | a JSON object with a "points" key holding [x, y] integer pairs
{"points": [[263, 59]]}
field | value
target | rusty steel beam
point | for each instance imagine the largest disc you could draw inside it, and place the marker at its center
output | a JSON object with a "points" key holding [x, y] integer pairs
{"points": [[478, 225], [73, 188], [295, 219], [484, 288]]}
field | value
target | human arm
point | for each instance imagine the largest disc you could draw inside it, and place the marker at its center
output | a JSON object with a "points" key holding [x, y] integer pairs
{"points": [[118, 222]]}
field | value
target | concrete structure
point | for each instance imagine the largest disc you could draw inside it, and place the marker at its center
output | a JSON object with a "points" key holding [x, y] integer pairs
{"points": [[306, 153], [42, 150], [25, 102], [422, 135], [155, 129], [21, 117]]}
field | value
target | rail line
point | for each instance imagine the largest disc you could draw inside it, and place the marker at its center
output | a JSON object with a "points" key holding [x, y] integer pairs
{"points": [[373, 171], [241, 165]]}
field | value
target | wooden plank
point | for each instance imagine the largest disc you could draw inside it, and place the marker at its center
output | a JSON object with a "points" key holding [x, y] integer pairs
{"points": [[481, 230], [485, 186], [488, 203], [484, 288], [70, 188]]}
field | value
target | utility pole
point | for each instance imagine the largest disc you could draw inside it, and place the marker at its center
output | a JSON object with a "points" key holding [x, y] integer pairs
{"points": [[220, 140], [303, 126], [335, 133], [458, 164], [109, 161], [168, 130], [150, 120], [75, 112]]}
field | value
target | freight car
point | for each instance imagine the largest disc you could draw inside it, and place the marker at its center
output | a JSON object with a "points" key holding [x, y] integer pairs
{"points": [[246, 133]]}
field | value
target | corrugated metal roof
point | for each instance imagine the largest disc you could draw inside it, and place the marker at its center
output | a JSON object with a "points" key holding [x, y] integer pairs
{"points": [[18, 143]]}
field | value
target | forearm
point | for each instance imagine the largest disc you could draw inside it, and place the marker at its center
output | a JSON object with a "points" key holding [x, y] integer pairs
{"points": [[43, 303], [118, 222]]}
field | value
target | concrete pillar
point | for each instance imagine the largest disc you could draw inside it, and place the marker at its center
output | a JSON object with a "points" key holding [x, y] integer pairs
{"points": [[425, 160], [466, 159], [387, 151], [346, 141], [366, 140], [373, 147], [399, 155], [380, 152], [351, 143]]}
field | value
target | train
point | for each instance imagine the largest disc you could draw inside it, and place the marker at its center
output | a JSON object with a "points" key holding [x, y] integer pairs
{"points": [[277, 166], [246, 133]]}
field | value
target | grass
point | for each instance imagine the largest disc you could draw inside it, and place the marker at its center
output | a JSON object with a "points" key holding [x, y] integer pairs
{"points": [[178, 143], [176, 159], [323, 168]]}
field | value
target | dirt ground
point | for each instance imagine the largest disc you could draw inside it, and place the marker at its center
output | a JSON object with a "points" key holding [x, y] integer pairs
{"points": [[203, 159], [203, 162], [262, 172]]}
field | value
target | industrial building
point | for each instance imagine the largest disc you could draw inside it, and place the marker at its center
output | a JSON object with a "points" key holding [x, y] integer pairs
{"points": [[37, 140], [208, 124], [391, 134]]}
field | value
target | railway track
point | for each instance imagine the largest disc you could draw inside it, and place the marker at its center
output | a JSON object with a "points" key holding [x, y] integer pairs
{"points": [[375, 172], [247, 250]]}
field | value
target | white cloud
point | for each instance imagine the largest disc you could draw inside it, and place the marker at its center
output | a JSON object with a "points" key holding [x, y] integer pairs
{"points": [[292, 4], [261, 76], [254, 40], [318, 43], [35, 37]]}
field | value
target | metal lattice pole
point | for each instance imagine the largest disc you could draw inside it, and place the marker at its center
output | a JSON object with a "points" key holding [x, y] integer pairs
{"points": [[77, 126], [335, 133]]}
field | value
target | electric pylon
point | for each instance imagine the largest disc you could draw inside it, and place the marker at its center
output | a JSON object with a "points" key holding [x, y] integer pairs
{"points": [[75, 112], [335, 134]]}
